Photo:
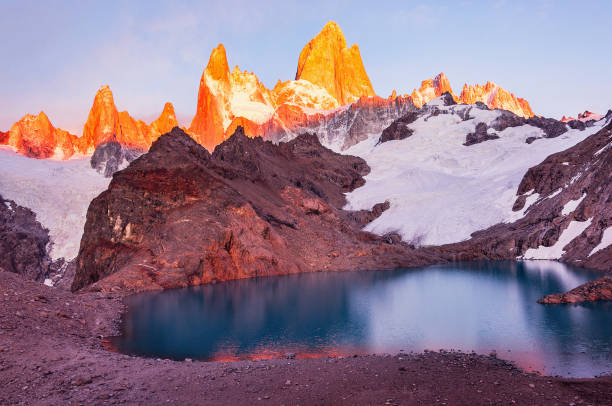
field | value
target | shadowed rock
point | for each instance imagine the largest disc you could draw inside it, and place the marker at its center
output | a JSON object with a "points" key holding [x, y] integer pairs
{"points": [[110, 157], [398, 130], [179, 216], [23, 242], [479, 135]]}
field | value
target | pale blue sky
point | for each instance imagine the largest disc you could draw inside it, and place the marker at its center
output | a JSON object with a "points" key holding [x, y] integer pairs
{"points": [[55, 54]]}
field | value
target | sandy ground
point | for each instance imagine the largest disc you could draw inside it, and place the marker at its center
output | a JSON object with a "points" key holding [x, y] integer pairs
{"points": [[51, 353]]}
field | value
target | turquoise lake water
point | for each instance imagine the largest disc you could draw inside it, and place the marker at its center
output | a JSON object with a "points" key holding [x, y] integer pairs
{"points": [[480, 306]]}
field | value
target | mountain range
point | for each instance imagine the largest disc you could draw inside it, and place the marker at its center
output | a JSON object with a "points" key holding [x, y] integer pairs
{"points": [[330, 79], [319, 161]]}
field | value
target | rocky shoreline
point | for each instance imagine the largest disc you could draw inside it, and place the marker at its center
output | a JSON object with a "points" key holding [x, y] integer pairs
{"points": [[599, 290], [51, 352]]}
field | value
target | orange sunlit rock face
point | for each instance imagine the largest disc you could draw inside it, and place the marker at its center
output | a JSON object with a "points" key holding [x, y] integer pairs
{"points": [[586, 116], [496, 98], [106, 124], [431, 89], [330, 78], [224, 97], [35, 136], [327, 62], [165, 122]]}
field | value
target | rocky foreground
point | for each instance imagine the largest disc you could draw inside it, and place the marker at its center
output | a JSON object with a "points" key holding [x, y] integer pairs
{"points": [[51, 353]]}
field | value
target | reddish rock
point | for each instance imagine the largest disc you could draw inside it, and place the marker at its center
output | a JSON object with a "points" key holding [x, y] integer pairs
{"points": [[180, 216], [106, 124], [431, 89], [594, 291], [35, 136], [495, 97], [583, 117], [165, 122], [207, 126], [327, 62]]}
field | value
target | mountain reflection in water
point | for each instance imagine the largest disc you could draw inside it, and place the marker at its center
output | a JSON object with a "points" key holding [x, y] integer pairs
{"points": [[477, 306]]}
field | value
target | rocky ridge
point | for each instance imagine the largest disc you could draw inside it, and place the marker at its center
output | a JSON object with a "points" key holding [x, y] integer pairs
{"points": [[180, 216], [331, 94], [566, 200], [36, 137], [23, 242]]}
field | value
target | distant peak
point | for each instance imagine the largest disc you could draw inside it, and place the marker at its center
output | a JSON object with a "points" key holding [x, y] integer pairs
{"points": [[168, 109], [332, 26], [217, 66], [327, 62]]}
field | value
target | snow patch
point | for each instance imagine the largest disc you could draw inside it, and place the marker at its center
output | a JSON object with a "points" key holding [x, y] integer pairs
{"points": [[556, 251], [606, 240], [555, 193], [439, 188], [58, 192], [570, 206], [602, 149]]}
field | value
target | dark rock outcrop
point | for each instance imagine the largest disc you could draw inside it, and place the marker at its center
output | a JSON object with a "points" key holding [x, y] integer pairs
{"points": [[448, 99], [580, 174], [552, 128], [398, 130], [111, 156], [23, 242], [594, 291], [577, 125], [479, 135], [179, 216]]}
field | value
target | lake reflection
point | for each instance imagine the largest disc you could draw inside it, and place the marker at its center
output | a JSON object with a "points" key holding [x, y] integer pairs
{"points": [[466, 306]]}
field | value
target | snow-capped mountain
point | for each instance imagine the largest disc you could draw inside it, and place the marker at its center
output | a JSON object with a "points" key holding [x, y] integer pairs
{"points": [[446, 169], [584, 117], [331, 94], [441, 187]]}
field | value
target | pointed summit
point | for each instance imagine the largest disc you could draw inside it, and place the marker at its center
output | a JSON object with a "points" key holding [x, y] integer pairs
{"points": [[105, 124], [102, 124], [209, 121], [327, 62], [166, 121], [217, 67]]}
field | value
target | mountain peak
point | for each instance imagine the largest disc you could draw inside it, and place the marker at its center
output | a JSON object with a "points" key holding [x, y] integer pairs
{"points": [[35, 136], [218, 68], [166, 121], [495, 97], [432, 89], [327, 62]]}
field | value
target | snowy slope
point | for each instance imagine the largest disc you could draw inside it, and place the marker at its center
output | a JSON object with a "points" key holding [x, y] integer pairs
{"points": [[58, 192], [442, 191]]}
